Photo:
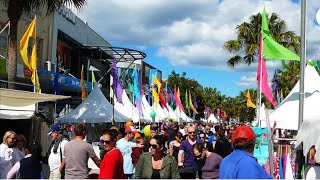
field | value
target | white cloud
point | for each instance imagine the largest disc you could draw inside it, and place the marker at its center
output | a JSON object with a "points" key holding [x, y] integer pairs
{"points": [[191, 32]]}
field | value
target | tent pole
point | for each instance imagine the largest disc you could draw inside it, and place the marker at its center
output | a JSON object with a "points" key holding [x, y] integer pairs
{"points": [[300, 158], [270, 144]]}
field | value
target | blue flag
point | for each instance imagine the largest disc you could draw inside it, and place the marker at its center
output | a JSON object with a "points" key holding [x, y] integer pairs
{"points": [[56, 80]]}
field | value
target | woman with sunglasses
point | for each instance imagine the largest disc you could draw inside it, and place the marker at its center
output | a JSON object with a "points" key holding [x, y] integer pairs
{"points": [[8, 154], [156, 164], [175, 145], [111, 166]]}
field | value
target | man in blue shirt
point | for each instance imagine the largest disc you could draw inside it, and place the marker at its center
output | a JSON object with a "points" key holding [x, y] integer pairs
{"points": [[241, 164]]}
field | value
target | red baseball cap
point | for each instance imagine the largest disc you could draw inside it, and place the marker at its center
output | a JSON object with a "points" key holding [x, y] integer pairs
{"points": [[130, 129], [243, 134]]}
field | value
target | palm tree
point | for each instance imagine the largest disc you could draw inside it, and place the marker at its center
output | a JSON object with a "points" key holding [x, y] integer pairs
{"points": [[247, 43], [15, 10]]}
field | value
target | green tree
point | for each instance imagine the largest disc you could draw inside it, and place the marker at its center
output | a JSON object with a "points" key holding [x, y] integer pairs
{"points": [[288, 77], [247, 43], [15, 10]]}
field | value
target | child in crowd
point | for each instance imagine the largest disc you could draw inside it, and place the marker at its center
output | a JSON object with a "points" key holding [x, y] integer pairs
{"points": [[137, 151]]}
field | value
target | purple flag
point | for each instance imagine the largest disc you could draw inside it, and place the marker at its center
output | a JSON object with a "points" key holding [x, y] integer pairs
{"points": [[116, 86], [139, 106], [171, 95], [275, 82], [207, 112], [195, 104]]}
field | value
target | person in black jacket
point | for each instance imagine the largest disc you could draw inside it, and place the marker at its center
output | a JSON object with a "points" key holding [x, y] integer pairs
{"points": [[30, 166]]}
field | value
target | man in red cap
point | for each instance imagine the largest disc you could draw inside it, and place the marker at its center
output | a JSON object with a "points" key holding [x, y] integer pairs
{"points": [[241, 164], [125, 145]]}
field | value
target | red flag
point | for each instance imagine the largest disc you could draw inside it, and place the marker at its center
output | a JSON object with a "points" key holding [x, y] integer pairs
{"points": [[163, 101], [262, 68]]}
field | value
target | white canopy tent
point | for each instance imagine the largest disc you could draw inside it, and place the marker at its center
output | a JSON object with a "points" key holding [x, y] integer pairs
{"points": [[95, 109], [127, 108], [182, 115], [309, 131], [149, 109], [287, 114], [212, 119], [263, 116], [159, 112], [10, 112]]}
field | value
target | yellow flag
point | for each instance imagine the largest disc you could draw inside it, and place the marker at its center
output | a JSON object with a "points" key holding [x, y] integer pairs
{"points": [[83, 91], [178, 94], [191, 105], [32, 62], [156, 81], [249, 102], [155, 97]]}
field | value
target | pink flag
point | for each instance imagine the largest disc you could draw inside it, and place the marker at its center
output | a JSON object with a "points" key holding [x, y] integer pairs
{"points": [[178, 103], [265, 88]]}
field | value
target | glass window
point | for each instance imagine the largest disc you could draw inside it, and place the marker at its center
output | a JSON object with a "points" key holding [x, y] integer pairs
{"points": [[3, 41]]}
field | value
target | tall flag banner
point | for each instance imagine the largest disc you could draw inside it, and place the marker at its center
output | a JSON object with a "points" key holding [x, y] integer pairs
{"points": [[56, 80], [163, 101], [155, 97], [156, 81], [207, 112], [278, 98], [186, 101], [262, 71], [275, 82], [111, 90], [93, 79], [178, 94], [249, 101], [171, 95], [83, 91], [136, 91], [271, 49], [117, 86], [149, 96], [153, 72], [32, 62], [177, 99], [191, 105], [195, 103]]}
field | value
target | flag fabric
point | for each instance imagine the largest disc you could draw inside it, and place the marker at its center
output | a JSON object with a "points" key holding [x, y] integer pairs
{"points": [[93, 79], [32, 62], [153, 72], [155, 97], [278, 98], [136, 91], [191, 105], [262, 71], [83, 91], [163, 101], [207, 112], [178, 94], [275, 82], [186, 101], [271, 49], [111, 90], [116, 85], [171, 95], [195, 103], [249, 101], [156, 81], [177, 99], [149, 96], [56, 80]]}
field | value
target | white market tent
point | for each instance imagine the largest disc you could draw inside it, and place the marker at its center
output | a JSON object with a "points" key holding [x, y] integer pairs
{"points": [[16, 104], [159, 112], [127, 108], [309, 131], [95, 109], [182, 115], [287, 114], [263, 116], [172, 114], [212, 119]]}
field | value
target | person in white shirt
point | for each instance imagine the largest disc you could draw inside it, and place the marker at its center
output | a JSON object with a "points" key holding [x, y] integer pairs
{"points": [[8, 154], [56, 152]]}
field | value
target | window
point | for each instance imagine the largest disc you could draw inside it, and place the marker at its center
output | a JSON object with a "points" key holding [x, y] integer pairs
{"points": [[3, 41], [146, 71]]}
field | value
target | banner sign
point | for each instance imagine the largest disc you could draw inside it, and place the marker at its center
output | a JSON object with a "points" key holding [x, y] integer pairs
{"points": [[261, 147]]}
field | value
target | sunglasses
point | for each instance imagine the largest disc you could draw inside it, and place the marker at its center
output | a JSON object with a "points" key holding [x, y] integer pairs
{"points": [[105, 142], [154, 146], [192, 132], [202, 137]]}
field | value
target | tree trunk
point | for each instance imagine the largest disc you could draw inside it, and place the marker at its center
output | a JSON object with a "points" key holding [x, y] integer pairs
{"points": [[12, 53]]}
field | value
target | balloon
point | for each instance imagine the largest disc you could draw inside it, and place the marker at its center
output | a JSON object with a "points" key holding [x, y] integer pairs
{"points": [[137, 135], [153, 114], [129, 123], [147, 131]]}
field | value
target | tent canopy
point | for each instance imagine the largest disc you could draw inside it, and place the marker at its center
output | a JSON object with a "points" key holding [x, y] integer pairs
{"points": [[95, 109], [13, 113], [126, 108], [287, 114], [17, 98]]}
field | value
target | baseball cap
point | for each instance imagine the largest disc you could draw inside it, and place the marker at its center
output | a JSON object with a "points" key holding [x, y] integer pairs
{"points": [[54, 128], [243, 134], [131, 129]]}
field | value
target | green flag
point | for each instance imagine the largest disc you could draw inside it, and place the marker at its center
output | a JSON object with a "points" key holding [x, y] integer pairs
{"points": [[271, 49], [131, 92], [93, 81], [186, 100]]}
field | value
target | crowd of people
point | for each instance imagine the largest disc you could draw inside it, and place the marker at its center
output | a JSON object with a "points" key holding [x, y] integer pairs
{"points": [[171, 151]]}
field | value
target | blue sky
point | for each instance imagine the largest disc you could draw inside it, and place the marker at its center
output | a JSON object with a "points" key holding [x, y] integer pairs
{"points": [[188, 35]]}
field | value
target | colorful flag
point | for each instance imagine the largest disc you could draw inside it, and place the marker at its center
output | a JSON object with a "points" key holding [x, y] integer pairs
{"points": [[178, 94], [262, 71], [195, 103], [155, 97], [163, 101], [207, 112], [32, 62], [249, 101], [156, 81], [116, 85], [191, 105], [171, 95], [275, 82], [93, 79], [177, 99], [186, 101], [136, 91], [111, 90], [83, 91], [271, 49], [153, 72]]}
